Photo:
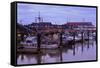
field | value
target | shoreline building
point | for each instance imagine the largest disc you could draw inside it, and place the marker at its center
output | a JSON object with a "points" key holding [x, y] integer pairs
{"points": [[81, 26], [85, 28], [45, 27]]}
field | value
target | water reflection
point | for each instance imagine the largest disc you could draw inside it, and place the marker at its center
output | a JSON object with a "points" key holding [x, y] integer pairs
{"points": [[74, 52]]}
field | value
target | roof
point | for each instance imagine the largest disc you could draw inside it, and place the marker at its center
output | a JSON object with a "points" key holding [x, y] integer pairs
{"points": [[80, 23], [42, 23]]}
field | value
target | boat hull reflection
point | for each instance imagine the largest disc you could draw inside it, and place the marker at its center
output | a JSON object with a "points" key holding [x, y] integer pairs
{"points": [[83, 51]]}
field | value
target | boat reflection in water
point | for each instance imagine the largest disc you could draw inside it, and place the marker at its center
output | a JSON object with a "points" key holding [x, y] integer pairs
{"points": [[76, 52]]}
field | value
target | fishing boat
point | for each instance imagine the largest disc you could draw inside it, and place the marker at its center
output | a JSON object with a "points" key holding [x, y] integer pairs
{"points": [[31, 40]]}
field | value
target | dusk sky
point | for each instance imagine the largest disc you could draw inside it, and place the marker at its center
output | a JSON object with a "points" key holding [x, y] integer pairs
{"points": [[26, 13]]}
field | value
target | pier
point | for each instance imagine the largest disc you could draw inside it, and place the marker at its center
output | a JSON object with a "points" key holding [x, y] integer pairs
{"points": [[55, 40]]}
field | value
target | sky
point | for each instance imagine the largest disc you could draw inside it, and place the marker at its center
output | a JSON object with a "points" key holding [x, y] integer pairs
{"points": [[26, 13]]}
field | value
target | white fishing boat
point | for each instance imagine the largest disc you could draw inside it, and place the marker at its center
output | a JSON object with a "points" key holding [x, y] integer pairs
{"points": [[69, 38], [31, 40]]}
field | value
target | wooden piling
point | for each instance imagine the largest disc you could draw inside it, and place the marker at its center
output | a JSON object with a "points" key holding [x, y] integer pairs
{"points": [[74, 44], [39, 58], [82, 47], [38, 42], [74, 49], [60, 51], [82, 40], [74, 37], [88, 35], [82, 36], [88, 40], [60, 45]]}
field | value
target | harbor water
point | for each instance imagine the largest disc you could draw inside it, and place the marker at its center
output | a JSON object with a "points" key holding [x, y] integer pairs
{"points": [[75, 52]]}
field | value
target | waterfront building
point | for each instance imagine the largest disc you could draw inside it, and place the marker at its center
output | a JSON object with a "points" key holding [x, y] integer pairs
{"points": [[81, 26]]}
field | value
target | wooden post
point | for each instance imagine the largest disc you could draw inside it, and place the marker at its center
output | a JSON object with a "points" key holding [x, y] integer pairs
{"points": [[74, 49], [60, 40], [88, 35], [60, 51], [74, 44], [74, 38], [88, 40], [82, 48], [82, 36], [38, 42], [38, 48], [22, 57], [39, 58]]}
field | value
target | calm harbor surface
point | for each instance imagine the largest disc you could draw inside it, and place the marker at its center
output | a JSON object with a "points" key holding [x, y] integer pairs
{"points": [[76, 52]]}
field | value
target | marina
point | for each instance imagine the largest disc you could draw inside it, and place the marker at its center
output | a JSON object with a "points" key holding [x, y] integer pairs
{"points": [[55, 35]]}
